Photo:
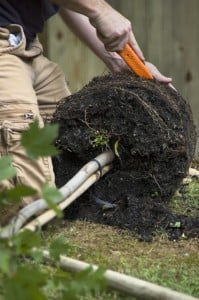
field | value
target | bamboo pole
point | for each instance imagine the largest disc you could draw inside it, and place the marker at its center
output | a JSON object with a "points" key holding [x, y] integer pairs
{"points": [[69, 188], [91, 167], [50, 214], [136, 287]]}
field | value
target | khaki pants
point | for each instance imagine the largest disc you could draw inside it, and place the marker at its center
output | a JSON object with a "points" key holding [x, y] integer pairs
{"points": [[30, 87]]}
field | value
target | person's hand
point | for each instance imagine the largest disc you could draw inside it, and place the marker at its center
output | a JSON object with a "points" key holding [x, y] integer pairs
{"points": [[116, 64], [159, 76], [156, 73], [114, 30]]}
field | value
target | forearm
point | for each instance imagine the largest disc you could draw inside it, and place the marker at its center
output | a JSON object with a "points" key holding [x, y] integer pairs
{"points": [[81, 27], [113, 29], [89, 8], [110, 28]]}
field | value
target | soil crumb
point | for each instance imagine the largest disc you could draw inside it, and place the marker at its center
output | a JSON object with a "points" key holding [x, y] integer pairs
{"points": [[150, 128]]}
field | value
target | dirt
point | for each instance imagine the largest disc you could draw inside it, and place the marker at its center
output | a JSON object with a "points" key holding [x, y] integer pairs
{"points": [[150, 128]]}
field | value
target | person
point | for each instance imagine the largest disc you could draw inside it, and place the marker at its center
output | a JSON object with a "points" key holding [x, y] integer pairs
{"points": [[31, 85]]}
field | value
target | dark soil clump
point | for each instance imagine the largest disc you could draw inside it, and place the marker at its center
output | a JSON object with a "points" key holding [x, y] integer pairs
{"points": [[150, 126]]}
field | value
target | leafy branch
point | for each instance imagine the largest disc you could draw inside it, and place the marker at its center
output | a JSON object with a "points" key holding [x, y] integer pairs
{"points": [[23, 278]]}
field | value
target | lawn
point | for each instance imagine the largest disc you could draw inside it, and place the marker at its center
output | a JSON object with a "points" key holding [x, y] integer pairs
{"points": [[173, 264]]}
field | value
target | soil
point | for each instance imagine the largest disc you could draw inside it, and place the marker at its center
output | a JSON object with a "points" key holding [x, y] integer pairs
{"points": [[150, 127]]}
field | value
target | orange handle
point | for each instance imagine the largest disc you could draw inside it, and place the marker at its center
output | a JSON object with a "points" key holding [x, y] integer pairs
{"points": [[134, 62]]}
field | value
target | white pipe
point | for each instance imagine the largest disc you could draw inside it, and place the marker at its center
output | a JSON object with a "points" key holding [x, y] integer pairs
{"points": [[91, 167], [74, 183], [136, 287], [193, 173], [50, 214]]}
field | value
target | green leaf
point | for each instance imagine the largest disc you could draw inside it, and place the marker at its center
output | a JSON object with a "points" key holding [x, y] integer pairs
{"points": [[60, 277], [37, 255], [58, 247], [6, 169], [4, 260], [94, 279], [175, 225], [25, 285], [38, 141], [87, 281], [52, 196], [20, 191], [116, 146], [24, 241], [15, 194]]}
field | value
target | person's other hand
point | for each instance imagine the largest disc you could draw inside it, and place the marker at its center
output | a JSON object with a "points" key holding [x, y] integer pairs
{"points": [[159, 76], [156, 73], [116, 64]]}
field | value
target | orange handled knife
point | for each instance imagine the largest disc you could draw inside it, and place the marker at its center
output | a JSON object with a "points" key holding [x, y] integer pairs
{"points": [[134, 62]]}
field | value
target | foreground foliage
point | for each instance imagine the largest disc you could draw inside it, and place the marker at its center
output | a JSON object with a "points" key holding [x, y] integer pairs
{"points": [[21, 276]]}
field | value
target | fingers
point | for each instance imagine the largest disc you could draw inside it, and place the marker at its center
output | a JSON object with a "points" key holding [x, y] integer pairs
{"points": [[133, 43], [115, 42], [112, 28], [172, 87], [159, 76], [156, 73], [115, 31], [115, 63]]}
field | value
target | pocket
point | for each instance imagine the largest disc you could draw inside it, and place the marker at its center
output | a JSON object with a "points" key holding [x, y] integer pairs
{"points": [[10, 136], [4, 36], [11, 38], [48, 169], [11, 132]]}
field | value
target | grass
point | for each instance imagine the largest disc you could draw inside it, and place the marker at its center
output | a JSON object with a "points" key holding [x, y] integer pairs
{"points": [[186, 200], [167, 263], [173, 264]]}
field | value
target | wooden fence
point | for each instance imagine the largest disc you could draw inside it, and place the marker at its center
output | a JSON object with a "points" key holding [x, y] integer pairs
{"points": [[167, 31]]}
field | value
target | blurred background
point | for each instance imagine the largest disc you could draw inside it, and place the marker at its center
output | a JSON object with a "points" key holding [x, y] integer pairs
{"points": [[168, 34]]}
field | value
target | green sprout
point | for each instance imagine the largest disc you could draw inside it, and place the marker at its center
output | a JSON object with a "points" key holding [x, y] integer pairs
{"points": [[100, 138]]}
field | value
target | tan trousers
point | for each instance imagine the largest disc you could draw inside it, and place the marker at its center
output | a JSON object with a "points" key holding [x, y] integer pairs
{"points": [[30, 87]]}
